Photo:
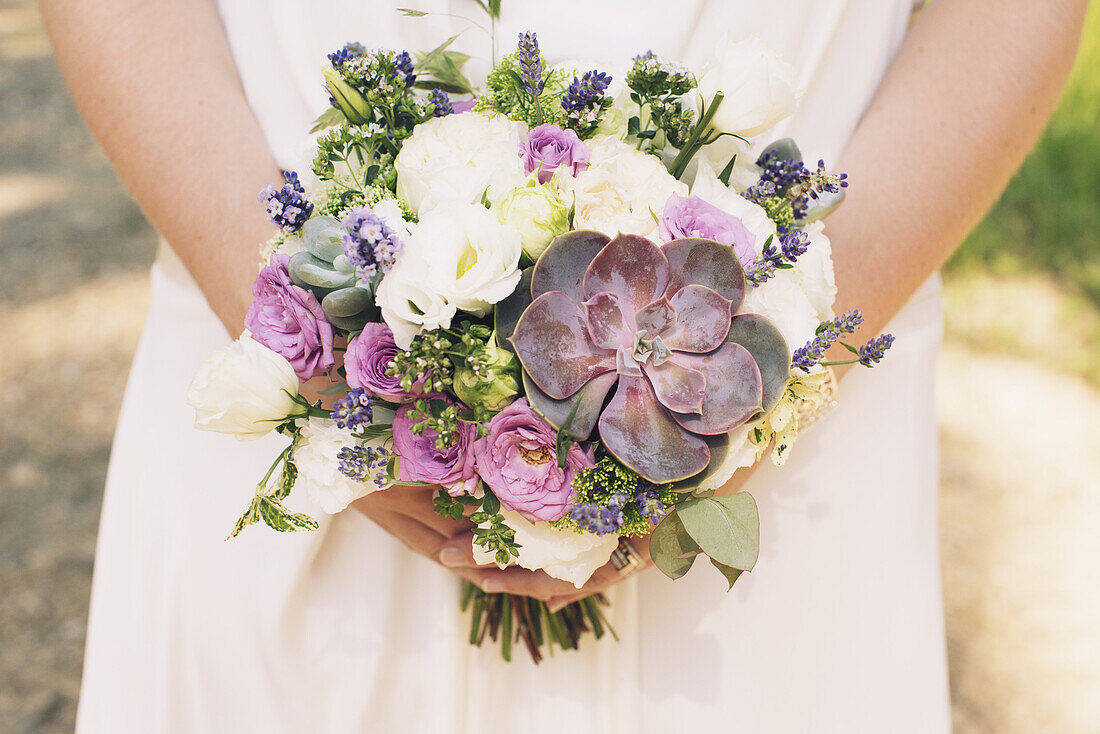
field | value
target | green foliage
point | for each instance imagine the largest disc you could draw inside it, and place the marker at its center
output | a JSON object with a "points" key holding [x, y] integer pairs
{"points": [[267, 504], [1049, 217], [660, 87], [726, 529], [497, 537], [505, 94]]}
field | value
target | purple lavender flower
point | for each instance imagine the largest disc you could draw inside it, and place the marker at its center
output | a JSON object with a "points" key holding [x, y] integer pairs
{"points": [[530, 63], [586, 92], [873, 351], [364, 462], [441, 101], [781, 175], [369, 243], [405, 68], [806, 357], [649, 504], [344, 55], [794, 244], [354, 410], [287, 207], [600, 519]]}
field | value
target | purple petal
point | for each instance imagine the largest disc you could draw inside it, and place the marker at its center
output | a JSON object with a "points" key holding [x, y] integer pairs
{"points": [[632, 268], [733, 389], [639, 433], [702, 320], [678, 388], [561, 267], [552, 343], [656, 317], [708, 263], [608, 326], [556, 412]]}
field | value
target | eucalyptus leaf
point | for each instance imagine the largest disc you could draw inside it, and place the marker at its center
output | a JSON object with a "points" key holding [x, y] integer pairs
{"points": [[731, 574], [672, 549], [726, 528]]}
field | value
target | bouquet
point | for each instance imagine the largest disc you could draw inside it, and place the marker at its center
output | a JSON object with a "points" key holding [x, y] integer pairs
{"points": [[567, 298]]}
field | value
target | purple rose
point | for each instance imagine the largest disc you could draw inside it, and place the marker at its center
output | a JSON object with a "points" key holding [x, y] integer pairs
{"points": [[548, 146], [518, 462], [690, 216], [368, 356], [288, 320], [463, 105], [420, 461]]}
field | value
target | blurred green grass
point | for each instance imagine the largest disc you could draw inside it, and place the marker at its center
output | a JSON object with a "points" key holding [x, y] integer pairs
{"points": [[1048, 220]]}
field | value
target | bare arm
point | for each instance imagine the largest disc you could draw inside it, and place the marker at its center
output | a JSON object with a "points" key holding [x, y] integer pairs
{"points": [[960, 107], [158, 87]]}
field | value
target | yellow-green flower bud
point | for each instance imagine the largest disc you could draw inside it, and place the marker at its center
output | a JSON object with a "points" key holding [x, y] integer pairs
{"points": [[348, 99], [491, 384], [538, 211]]}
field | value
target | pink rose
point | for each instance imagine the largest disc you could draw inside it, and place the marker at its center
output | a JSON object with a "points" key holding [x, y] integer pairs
{"points": [[519, 463], [368, 357], [418, 459], [549, 146], [288, 320]]}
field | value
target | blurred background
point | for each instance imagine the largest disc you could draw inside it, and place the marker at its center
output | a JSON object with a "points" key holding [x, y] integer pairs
{"points": [[1019, 406]]}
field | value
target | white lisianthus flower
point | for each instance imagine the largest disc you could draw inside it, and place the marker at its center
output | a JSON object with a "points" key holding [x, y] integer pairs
{"points": [[319, 473], [473, 259], [244, 389], [538, 212], [410, 304], [389, 210], [814, 270], [622, 191], [760, 88], [458, 159], [459, 257], [708, 188], [562, 554]]}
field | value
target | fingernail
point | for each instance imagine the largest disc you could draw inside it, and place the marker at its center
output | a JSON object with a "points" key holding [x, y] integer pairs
{"points": [[492, 586], [450, 557]]}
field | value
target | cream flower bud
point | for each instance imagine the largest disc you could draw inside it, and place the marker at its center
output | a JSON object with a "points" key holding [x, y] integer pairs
{"points": [[244, 389]]}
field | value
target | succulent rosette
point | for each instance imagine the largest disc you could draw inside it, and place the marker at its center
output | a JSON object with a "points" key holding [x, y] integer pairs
{"points": [[651, 323]]}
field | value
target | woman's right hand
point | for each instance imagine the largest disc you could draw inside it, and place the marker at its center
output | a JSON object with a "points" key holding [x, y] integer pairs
{"points": [[406, 512]]}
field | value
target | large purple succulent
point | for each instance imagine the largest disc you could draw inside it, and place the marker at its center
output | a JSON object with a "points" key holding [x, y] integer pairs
{"points": [[654, 321]]}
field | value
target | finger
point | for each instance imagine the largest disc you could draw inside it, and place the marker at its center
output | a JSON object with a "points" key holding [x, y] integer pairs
{"points": [[415, 502], [458, 552], [521, 582], [416, 536]]}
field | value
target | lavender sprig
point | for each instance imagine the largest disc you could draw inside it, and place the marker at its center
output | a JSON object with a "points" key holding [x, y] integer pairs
{"points": [[530, 64], [287, 207], [808, 356], [364, 462], [873, 351], [354, 410], [441, 102], [405, 68], [369, 243]]}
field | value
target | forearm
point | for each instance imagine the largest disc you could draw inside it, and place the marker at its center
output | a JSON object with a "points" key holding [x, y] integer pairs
{"points": [[157, 85], [958, 110]]}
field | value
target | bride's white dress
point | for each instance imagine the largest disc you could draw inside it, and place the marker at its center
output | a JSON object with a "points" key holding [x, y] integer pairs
{"points": [[839, 629]]}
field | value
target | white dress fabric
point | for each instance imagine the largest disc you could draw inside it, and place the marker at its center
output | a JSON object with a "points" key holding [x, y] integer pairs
{"points": [[838, 630]]}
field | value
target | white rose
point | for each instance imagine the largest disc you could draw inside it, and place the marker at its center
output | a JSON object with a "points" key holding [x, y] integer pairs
{"points": [[759, 87], [459, 159], [562, 554], [244, 389], [782, 301], [319, 474], [622, 191], [708, 188], [409, 304], [814, 270], [538, 212]]}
